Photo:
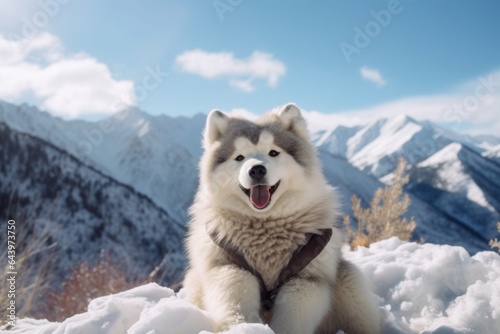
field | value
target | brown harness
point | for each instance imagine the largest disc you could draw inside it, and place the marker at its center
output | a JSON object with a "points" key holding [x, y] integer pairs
{"points": [[301, 257]]}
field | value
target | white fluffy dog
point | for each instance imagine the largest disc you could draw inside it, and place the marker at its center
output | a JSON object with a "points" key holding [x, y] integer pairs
{"points": [[263, 242]]}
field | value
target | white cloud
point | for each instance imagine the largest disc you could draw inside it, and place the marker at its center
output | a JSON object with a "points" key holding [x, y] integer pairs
{"points": [[372, 75], [13, 12], [474, 108], [242, 112], [244, 85], [67, 85], [241, 73]]}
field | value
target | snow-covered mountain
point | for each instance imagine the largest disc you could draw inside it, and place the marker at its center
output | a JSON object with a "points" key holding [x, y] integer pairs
{"points": [[456, 176], [453, 183], [85, 212], [156, 155], [374, 148], [433, 224], [493, 153], [462, 183]]}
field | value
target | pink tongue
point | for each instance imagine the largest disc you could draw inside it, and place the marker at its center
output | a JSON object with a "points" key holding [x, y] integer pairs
{"points": [[260, 196]]}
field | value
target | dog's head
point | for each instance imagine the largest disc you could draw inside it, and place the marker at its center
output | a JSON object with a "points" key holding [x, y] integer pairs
{"points": [[259, 167]]}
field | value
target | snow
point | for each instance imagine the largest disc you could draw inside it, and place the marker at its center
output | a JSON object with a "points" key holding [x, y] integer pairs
{"points": [[446, 154], [426, 288], [493, 152], [421, 288]]}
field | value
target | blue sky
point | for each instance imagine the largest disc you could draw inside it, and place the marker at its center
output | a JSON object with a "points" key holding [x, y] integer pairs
{"points": [[254, 55]]}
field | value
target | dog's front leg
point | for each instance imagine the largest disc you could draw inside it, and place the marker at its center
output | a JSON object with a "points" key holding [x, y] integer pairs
{"points": [[232, 296], [300, 306]]}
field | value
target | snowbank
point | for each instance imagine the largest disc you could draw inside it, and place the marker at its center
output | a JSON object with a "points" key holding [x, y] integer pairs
{"points": [[421, 288], [433, 288]]}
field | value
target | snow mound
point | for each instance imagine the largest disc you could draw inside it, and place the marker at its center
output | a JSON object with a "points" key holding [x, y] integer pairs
{"points": [[147, 309], [421, 289], [433, 288]]}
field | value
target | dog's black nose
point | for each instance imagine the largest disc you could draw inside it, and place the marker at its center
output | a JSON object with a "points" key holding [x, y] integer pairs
{"points": [[257, 172]]}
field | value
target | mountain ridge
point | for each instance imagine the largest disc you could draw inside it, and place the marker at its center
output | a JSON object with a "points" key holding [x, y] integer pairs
{"points": [[83, 211], [157, 155]]}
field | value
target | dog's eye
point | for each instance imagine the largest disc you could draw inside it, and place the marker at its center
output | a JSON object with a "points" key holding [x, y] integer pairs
{"points": [[239, 158], [273, 153]]}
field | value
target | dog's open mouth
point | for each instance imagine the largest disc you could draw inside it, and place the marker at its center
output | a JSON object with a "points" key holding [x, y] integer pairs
{"points": [[260, 195]]}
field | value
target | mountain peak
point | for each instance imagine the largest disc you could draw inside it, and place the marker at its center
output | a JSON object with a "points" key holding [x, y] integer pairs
{"points": [[400, 121], [130, 113]]}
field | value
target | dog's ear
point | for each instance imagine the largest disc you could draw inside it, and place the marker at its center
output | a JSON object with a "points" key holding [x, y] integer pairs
{"points": [[217, 123], [291, 118]]}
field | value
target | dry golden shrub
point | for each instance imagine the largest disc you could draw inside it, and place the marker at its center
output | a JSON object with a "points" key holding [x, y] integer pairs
{"points": [[84, 283], [33, 254], [38, 271], [383, 219]]}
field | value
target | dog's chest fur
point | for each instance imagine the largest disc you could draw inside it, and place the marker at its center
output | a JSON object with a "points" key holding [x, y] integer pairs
{"points": [[266, 244]]}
